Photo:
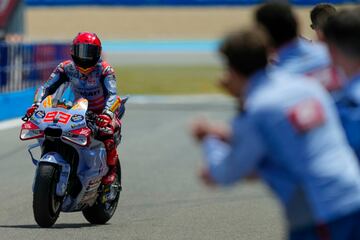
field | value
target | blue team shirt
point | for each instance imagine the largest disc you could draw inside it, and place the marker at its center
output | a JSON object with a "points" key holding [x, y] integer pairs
{"points": [[348, 104], [290, 134], [311, 59]]}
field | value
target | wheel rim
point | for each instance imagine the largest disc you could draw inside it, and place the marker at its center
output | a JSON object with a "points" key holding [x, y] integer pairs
{"points": [[55, 202], [110, 206]]}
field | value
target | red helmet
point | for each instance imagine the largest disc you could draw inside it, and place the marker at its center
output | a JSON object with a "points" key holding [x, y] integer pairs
{"points": [[86, 50]]}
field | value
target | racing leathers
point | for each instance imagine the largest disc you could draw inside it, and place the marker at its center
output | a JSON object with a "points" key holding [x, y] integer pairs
{"points": [[99, 88]]}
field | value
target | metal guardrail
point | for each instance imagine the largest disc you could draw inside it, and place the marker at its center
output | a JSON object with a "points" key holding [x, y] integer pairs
{"points": [[25, 65]]}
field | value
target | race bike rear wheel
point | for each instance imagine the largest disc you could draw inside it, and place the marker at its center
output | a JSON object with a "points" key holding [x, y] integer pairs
{"points": [[46, 205], [103, 209]]}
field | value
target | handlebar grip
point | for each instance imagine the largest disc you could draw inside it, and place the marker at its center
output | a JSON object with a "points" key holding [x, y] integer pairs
{"points": [[25, 118]]}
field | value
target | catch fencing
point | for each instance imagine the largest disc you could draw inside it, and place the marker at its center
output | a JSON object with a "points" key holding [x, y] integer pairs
{"points": [[25, 65]]}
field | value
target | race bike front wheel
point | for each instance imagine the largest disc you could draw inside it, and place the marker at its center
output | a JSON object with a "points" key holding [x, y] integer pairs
{"points": [[46, 205]]}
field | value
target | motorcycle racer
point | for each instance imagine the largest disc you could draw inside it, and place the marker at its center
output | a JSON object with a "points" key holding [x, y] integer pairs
{"points": [[93, 79]]}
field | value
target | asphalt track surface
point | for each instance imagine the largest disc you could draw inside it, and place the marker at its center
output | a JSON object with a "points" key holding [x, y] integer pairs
{"points": [[162, 197]]}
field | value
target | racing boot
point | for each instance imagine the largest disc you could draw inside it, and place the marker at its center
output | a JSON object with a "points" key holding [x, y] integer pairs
{"points": [[111, 187], [110, 177]]}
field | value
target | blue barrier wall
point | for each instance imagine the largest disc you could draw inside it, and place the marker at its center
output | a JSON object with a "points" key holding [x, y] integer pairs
{"points": [[16, 102], [170, 2]]}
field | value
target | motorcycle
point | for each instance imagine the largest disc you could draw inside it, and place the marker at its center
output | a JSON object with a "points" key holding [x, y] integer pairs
{"points": [[73, 161]]}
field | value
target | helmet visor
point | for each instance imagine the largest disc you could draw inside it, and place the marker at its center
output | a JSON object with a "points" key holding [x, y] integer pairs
{"points": [[86, 51]]}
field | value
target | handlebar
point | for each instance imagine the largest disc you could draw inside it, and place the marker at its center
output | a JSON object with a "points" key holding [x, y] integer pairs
{"points": [[91, 119], [25, 118]]}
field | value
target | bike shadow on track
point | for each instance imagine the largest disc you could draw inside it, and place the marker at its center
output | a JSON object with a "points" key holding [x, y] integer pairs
{"points": [[56, 226]]}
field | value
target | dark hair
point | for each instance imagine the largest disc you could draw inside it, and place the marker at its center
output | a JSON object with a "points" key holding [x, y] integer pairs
{"points": [[320, 14], [279, 21], [343, 30], [245, 51]]}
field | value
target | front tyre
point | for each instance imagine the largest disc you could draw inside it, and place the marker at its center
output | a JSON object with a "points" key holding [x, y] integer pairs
{"points": [[104, 209], [46, 205]]}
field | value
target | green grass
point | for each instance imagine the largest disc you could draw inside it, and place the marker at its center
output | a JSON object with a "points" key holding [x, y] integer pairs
{"points": [[167, 80]]}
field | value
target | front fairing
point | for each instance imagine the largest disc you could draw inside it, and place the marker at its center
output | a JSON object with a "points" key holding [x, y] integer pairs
{"points": [[58, 117], [92, 157]]}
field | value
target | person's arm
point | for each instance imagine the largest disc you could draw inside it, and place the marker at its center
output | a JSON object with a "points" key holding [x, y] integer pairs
{"points": [[49, 87], [201, 128], [110, 89], [229, 162]]}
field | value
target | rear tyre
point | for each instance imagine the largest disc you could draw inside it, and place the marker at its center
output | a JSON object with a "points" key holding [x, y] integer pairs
{"points": [[102, 211], [46, 205]]}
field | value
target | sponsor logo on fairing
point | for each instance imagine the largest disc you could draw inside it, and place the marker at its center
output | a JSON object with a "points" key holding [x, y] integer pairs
{"points": [[77, 118], [78, 125], [34, 120], [40, 114]]}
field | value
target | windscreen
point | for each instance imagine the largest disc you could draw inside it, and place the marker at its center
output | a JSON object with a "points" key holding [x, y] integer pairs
{"points": [[64, 97]]}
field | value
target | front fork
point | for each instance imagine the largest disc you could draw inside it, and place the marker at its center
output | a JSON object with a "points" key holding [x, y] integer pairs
{"points": [[55, 159]]}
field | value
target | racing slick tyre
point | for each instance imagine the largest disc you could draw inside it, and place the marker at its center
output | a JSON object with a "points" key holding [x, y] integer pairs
{"points": [[46, 205], [104, 209]]}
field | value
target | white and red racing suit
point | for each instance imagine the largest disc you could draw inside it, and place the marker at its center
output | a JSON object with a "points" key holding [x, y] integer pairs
{"points": [[98, 87]]}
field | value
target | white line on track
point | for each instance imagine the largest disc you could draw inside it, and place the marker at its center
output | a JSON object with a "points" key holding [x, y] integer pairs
{"points": [[179, 99], [147, 99], [12, 123]]}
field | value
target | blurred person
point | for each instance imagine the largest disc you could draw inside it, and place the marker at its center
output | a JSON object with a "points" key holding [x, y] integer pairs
{"points": [[342, 34], [93, 79], [319, 15], [294, 53], [11, 31], [289, 134], [12, 20]]}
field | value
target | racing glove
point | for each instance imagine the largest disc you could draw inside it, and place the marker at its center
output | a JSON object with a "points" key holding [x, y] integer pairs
{"points": [[103, 120], [30, 111]]}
